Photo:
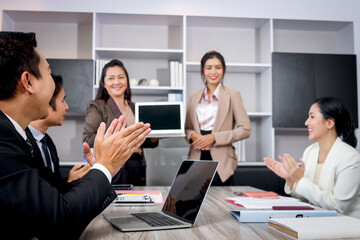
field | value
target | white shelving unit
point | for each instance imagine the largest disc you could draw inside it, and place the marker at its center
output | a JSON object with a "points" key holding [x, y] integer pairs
{"points": [[147, 43]]}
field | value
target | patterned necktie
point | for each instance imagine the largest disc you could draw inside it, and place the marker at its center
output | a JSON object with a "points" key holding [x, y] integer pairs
{"points": [[46, 152], [30, 147]]}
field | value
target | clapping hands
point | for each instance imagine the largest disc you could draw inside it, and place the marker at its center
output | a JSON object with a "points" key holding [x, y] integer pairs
{"points": [[287, 169], [114, 147]]}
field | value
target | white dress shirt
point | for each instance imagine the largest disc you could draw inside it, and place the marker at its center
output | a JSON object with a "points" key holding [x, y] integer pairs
{"points": [[23, 134], [207, 109], [38, 136]]}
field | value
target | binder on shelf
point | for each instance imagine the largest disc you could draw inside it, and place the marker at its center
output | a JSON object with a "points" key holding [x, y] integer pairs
{"points": [[316, 228], [175, 97], [172, 74], [240, 150], [99, 65], [180, 75], [176, 74], [178, 97], [265, 215]]}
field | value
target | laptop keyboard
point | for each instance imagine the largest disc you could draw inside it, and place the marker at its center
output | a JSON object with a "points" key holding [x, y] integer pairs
{"points": [[156, 219]]}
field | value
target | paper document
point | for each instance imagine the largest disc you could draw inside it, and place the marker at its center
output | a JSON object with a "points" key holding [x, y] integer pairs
{"points": [[267, 203]]}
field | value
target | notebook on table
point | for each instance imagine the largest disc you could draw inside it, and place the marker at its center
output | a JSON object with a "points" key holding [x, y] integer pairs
{"points": [[182, 204]]}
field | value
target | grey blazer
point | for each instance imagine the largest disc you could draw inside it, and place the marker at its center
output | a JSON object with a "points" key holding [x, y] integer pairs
{"points": [[99, 111]]}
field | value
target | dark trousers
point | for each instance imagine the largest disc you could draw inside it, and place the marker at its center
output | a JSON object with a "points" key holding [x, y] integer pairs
{"points": [[206, 155], [131, 172]]}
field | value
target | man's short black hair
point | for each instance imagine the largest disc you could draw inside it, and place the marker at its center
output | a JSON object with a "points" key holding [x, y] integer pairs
{"points": [[17, 55], [58, 86]]}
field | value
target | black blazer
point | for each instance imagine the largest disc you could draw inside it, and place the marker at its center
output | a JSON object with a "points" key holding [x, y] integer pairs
{"points": [[54, 178], [31, 207]]}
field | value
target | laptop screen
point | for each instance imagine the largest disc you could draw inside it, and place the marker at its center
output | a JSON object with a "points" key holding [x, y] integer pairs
{"points": [[165, 118], [189, 189]]}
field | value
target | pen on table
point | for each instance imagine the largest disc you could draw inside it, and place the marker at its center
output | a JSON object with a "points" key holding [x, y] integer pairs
{"points": [[239, 194]]}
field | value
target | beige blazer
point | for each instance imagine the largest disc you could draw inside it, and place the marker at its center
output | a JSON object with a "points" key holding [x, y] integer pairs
{"points": [[231, 111]]}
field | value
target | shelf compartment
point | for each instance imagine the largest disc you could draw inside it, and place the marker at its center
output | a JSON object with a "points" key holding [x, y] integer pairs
{"points": [[135, 53], [255, 88], [146, 67], [237, 39], [59, 34], [305, 36], [259, 144], [291, 141], [139, 31], [234, 67]]}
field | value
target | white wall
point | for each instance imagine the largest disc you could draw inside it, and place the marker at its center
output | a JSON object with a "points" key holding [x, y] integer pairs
{"points": [[292, 9]]}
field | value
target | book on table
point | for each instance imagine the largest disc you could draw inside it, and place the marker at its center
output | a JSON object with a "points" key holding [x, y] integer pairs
{"points": [[263, 215], [316, 228]]}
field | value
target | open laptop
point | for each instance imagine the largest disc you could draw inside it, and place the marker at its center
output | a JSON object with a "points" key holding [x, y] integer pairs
{"points": [[166, 118], [182, 204]]}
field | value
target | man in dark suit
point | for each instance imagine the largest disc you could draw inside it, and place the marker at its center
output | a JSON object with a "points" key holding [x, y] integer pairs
{"points": [[45, 153], [30, 207]]}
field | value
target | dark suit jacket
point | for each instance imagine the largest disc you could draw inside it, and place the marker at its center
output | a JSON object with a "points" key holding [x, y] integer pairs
{"points": [[54, 178], [31, 207]]}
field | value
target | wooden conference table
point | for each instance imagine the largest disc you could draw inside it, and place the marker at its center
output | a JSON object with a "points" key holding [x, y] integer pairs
{"points": [[214, 220]]}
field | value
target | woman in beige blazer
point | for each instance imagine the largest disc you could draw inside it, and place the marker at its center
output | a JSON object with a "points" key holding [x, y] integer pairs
{"points": [[113, 99], [329, 175], [211, 115]]}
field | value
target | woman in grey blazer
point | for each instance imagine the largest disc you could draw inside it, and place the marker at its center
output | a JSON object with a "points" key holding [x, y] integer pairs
{"points": [[112, 100], [211, 115]]}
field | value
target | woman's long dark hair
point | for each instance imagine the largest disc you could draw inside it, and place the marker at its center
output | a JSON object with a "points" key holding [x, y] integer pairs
{"points": [[209, 55], [102, 93], [333, 108]]}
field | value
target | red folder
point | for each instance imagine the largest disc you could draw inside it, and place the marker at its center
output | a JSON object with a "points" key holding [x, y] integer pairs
{"points": [[292, 208]]}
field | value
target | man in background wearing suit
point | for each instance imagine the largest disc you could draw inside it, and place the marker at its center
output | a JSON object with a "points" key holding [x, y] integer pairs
{"points": [[44, 149], [30, 207]]}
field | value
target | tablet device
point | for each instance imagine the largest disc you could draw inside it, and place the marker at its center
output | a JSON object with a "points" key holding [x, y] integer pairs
{"points": [[166, 118]]}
